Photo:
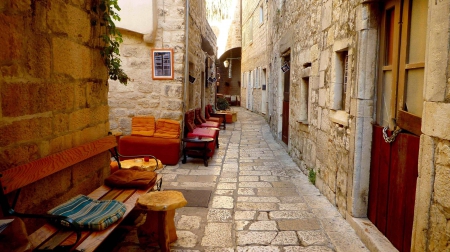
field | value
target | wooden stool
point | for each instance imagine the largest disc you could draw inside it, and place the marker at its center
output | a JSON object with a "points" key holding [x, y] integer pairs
{"points": [[159, 226]]}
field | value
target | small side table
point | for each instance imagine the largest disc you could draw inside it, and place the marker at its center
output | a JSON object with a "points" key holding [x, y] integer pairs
{"points": [[159, 227], [200, 150]]}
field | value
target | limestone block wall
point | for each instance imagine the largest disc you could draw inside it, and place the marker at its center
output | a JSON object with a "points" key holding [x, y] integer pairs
{"points": [[53, 95], [163, 98], [334, 141], [432, 208], [310, 33]]}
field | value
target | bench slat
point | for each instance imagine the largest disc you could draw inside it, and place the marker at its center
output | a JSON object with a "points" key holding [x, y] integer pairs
{"points": [[57, 239], [23, 175], [42, 234]]}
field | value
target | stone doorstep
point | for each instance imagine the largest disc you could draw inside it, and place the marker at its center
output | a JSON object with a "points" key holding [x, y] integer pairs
{"points": [[374, 240]]}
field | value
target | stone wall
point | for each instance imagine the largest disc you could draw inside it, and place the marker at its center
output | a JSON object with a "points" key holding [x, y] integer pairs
{"points": [[317, 142], [53, 95], [163, 98], [432, 209], [333, 137]]}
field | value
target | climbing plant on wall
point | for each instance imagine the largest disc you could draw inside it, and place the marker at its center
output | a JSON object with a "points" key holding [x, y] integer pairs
{"points": [[218, 10], [112, 38]]}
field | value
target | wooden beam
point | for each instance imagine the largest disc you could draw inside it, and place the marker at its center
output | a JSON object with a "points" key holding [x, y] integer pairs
{"points": [[20, 176]]}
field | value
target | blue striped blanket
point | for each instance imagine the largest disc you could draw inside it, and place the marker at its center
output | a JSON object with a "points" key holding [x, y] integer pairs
{"points": [[89, 213]]}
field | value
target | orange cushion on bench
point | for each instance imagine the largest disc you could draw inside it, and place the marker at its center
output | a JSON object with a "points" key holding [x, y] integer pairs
{"points": [[143, 126], [166, 128]]}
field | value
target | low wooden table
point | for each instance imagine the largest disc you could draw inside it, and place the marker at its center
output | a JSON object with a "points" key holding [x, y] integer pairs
{"points": [[140, 164], [201, 151]]}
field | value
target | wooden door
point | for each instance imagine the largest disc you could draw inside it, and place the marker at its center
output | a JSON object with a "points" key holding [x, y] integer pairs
{"points": [[392, 190], [286, 92], [394, 161]]}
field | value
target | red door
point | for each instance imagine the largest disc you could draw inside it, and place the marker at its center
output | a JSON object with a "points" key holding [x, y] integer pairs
{"points": [[285, 127], [392, 190], [285, 119]]}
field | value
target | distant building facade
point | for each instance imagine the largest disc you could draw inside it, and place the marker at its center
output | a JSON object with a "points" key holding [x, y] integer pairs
{"points": [[225, 19]]}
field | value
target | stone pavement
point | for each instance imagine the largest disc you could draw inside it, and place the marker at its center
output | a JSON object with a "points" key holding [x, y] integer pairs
{"points": [[261, 201]]}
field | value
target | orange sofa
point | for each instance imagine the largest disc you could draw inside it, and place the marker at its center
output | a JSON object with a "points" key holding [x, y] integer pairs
{"points": [[160, 139]]}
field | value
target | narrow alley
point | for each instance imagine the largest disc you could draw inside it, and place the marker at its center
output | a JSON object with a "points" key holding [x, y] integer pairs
{"points": [[260, 200]]}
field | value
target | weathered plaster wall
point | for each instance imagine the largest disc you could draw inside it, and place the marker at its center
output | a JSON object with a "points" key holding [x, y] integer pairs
{"points": [[53, 95], [162, 98]]}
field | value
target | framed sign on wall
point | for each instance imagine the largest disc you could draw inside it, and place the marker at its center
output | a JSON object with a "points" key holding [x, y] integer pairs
{"points": [[162, 64]]}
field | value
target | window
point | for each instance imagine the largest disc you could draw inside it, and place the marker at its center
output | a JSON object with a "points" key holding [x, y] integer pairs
{"points": [[341, 81], [304, 100], [261, 14], [256, 71], [402, 65]]}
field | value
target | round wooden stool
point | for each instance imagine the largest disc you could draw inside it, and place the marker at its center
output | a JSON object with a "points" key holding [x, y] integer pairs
{"points": [[159, 227]]}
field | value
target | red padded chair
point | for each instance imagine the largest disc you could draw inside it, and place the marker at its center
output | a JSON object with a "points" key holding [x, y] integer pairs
{"points": [[202, 122], [193, 131], [208, 117]]}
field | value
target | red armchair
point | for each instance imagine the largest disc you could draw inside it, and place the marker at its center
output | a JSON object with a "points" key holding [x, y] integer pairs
{"points": [[193, 131], [202, 122], [208, 117]]}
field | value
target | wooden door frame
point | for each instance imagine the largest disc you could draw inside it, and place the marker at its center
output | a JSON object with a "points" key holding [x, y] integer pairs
{"points": [[285, 117]]}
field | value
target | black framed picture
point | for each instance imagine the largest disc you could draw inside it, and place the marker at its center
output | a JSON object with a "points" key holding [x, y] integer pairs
{"points": [[191, 79], [285, 67], [162, 64]]}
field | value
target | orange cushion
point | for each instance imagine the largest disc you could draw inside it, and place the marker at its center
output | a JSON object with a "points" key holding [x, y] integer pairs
{"points": [[166, 128], [143, 126]]}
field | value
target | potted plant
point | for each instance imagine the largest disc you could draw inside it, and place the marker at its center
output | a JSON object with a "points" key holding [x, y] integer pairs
{"points": [[222, 104]]}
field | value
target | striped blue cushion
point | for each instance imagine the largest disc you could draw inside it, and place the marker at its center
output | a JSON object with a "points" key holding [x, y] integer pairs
{"points": [[89, 213]]}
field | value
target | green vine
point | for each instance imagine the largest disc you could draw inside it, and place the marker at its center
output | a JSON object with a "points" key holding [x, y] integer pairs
{"points": [[312, 176], [112, 39]]}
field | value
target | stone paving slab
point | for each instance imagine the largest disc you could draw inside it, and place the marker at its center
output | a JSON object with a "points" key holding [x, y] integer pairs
{"points": [[261, 200]]}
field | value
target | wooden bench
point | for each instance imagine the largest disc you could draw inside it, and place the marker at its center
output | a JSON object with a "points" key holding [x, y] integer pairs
{"points": [[50, 237]]}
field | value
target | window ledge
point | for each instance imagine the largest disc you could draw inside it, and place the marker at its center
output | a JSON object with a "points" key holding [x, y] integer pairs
{"points": [[340, 117], [303, 125]]}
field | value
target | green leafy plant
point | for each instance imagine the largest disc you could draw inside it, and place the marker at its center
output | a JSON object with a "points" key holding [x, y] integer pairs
{"points": [[112, 39], [312, 176], [222, 104]]}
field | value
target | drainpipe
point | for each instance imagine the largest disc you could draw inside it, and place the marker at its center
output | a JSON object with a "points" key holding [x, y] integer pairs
{"points": [[186, 65]]}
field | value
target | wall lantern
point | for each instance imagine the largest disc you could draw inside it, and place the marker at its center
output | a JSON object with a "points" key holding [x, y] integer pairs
{"points": [[226, 63]]}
